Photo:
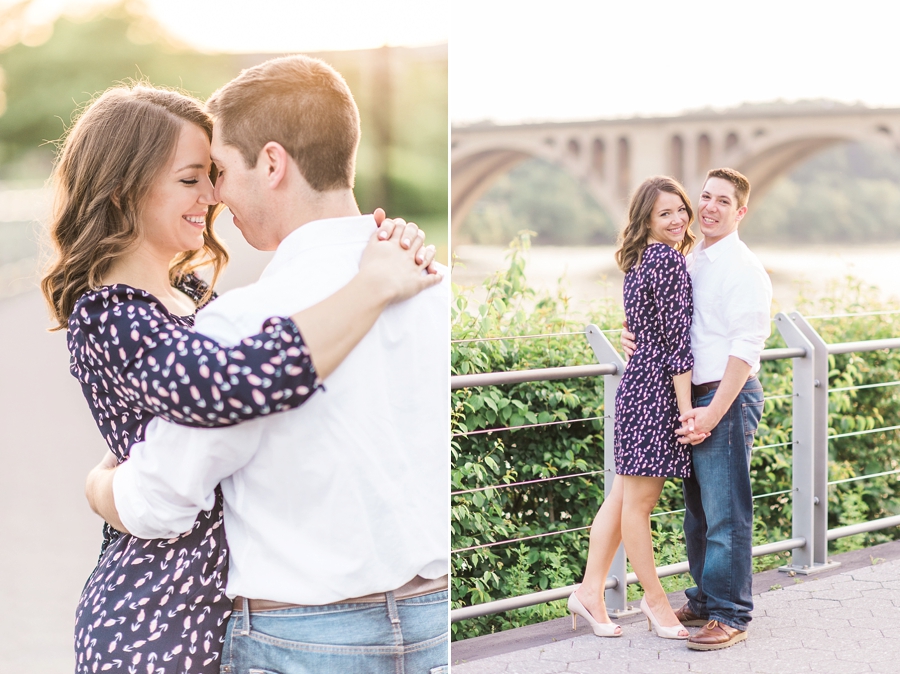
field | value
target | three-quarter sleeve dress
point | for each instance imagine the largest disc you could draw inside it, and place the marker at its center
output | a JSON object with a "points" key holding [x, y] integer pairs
{"points": [[659, 309], [160, 605]]}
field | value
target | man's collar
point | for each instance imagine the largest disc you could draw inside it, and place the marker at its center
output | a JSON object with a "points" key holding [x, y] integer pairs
{"points": [[719, 248], [354, 228]]}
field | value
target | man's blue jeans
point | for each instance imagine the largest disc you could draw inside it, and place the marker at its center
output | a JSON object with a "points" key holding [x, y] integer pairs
{"points": [[406, 636], [718, 522]]}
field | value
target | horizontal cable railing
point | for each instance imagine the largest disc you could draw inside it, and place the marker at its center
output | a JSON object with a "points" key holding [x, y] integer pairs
{"points": [[864, 477], [612, 582], [567, 531], [517, 428], [864, 432], [527, 482], [505, 338], [522, 376], [854, 315], [861, 387], [493, 544], [811, 435]]}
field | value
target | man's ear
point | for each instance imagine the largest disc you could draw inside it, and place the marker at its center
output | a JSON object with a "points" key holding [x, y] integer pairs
{"points": [[741, 212], [273, 159]]}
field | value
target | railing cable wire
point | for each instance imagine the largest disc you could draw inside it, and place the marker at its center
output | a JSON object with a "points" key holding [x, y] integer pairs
{"points": [[518, 540], [520, 484], [510, 337], [863, 386], [872, 430], [862, 313], [864, 477], [516, 428]]}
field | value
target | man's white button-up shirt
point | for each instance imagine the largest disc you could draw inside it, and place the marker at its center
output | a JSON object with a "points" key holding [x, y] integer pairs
{"points": [[732, 300], [345, 496]]}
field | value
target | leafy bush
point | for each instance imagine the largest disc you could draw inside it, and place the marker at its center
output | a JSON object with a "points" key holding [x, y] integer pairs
{"points": [[482, 458]]}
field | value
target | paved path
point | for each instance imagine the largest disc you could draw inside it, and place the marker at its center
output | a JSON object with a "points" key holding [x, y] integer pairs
{"points": [[846, 621], [49, 538]]}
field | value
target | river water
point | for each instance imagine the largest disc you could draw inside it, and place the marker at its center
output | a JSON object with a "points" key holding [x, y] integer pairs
{"points": [[590, 273]]}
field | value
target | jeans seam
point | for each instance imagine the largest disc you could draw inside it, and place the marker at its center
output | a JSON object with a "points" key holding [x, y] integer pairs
{"points": [[731, 523], [333, 649], [427, 644]]}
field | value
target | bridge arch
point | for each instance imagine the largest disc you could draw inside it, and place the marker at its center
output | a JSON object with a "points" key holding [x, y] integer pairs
{"points": [[765, 162], [475, 171], [608, 156]]}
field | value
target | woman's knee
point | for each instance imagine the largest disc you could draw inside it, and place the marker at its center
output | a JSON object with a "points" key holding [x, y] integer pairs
{"points": [[641, 494]]}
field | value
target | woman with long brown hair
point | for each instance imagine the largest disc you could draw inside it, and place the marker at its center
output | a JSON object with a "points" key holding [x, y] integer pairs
{"points": [[654, 391], [132, 221]]}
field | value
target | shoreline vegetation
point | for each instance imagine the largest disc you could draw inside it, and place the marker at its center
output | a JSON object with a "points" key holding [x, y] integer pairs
{"points": [[846, 194], [506, 305]]}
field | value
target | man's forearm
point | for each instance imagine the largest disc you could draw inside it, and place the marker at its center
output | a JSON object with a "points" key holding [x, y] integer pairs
{"points": [[736, 374], [171, 476]]}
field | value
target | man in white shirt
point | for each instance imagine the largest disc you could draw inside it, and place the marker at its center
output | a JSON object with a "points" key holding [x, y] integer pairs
{"points": [[336, 513], [732, 297]]}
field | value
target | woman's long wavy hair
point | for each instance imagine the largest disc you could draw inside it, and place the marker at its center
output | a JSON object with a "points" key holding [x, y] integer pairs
{"points": [[110, 157], [633, 237]]}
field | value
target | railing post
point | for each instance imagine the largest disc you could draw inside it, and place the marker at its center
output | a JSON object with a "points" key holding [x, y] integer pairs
{"points": [[819, 550], [617, 595], [806, 407]]}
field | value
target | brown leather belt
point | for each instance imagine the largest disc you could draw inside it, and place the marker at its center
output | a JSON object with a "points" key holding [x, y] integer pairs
{"points": [[703, 389], [414, 588]]}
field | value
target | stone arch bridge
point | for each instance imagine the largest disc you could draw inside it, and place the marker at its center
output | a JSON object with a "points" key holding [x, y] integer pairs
{"points": [[611, 156]]}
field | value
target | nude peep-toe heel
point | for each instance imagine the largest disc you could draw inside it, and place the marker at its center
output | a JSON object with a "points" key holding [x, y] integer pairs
{"points": [[662, 632], [576, 608]]}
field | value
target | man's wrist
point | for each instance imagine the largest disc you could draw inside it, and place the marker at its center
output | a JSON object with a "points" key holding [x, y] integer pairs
{"points": [[715, 410], [374, 287]]}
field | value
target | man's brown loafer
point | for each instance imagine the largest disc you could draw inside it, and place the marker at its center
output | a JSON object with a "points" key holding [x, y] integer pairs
{"points": [[688, 618], [714, 635]]}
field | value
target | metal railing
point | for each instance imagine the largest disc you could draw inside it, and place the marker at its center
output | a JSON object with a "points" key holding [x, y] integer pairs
{"points": [[810, 437]]}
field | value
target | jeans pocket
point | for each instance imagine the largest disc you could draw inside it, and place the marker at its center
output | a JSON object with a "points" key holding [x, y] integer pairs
{"points": [[751, 413]]}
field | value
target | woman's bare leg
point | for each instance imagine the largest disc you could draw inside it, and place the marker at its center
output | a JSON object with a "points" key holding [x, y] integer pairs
{"points": [[639, 498], [606, 534]]}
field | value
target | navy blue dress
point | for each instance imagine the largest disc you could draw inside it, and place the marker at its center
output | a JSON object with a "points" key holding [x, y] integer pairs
{"points": [[159, 605], [659, 308]]}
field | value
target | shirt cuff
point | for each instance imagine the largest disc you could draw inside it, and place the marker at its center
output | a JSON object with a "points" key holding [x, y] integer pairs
{"points": [[749, 352]]}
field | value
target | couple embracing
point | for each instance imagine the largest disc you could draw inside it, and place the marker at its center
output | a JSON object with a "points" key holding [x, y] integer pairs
{"points": [[277, 476], [687, 406]]}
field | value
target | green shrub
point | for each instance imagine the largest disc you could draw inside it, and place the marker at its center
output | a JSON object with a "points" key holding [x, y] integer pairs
{"points": [[481, 459]]}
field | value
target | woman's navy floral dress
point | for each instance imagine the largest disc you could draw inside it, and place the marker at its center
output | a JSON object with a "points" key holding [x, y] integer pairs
{"points": [[659, 308], [159, 606]]}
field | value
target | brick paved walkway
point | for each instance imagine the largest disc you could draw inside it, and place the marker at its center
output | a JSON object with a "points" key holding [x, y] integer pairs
{"points": [[844, 621]]}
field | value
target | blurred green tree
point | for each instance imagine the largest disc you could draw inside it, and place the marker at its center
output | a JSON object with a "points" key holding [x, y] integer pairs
{"points": [[48, 73]]}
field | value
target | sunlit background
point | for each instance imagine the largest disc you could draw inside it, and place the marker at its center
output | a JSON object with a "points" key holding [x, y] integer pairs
{"points": [[837, 212], [54, 56]]}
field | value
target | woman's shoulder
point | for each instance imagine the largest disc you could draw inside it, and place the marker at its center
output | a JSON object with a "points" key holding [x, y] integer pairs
{"points": [[108, 299], [120, 299], [662, 253], [663, 256]]}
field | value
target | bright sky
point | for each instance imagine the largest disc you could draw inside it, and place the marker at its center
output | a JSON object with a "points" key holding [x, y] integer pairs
{"points": [[287, 25], [575, 59]]}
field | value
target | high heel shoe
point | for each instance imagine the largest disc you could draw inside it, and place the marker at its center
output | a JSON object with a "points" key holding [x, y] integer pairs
{"points": [[576, 608], [662, 632]]}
